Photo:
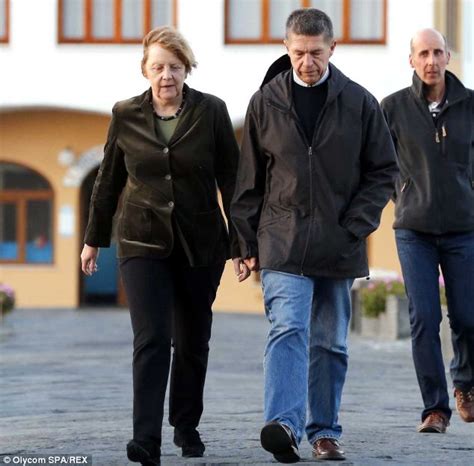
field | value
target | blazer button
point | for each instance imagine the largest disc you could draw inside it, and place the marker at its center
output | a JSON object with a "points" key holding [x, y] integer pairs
{"points": [[166, 150], [171, 204], [168, 177]]}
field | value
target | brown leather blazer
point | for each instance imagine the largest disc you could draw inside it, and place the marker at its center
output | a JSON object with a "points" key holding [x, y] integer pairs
{"points": [[169, 188]]}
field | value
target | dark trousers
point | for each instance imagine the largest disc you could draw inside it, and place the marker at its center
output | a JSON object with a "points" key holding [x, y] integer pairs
{"points": [[170, 304], [421, 255]]}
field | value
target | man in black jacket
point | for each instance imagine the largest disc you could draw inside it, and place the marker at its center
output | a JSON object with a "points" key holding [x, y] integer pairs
{"points": [[317, 168], [432, 126]]}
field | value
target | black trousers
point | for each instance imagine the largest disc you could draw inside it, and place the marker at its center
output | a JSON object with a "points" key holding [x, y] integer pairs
{"points": [[170, 305]]}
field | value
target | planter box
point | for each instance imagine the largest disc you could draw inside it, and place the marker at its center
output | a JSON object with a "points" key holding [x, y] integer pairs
{"points": [[392, 324]]}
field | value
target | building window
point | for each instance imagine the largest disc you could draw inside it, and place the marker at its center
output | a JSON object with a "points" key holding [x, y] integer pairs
{"points": [[112, 21], [26, 216], [4, 20], [263, 21]]}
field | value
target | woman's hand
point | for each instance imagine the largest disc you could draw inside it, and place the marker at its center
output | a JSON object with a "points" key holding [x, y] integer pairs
{"points": [[89, 257], [240, 269]]}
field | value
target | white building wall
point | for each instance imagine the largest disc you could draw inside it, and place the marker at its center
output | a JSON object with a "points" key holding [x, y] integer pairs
{"points": [[37, 71]]}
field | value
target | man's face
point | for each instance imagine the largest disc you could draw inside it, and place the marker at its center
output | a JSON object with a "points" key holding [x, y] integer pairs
{"points": [[309, 55], [429, 57]]}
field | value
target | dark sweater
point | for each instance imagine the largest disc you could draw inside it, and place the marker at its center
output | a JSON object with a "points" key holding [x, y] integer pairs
{"points": [[309, 102]]}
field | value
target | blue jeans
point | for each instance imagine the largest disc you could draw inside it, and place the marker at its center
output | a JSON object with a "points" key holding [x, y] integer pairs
{"points": [[421, 255], [306, 354]]}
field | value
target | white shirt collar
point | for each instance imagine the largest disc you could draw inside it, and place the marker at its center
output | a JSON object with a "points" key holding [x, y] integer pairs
{"points": [[299, 81]]}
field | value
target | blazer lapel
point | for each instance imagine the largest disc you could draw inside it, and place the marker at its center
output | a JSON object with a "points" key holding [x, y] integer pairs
{"points": [[147, 110], [191, 112]]}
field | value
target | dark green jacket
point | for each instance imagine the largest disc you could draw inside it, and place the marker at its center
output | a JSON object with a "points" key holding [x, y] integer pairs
{"points": [[167, 189], [435, 189]]}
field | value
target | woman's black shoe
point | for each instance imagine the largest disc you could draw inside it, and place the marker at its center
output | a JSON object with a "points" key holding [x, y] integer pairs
{"points": [[190, 443], [138, 453]]}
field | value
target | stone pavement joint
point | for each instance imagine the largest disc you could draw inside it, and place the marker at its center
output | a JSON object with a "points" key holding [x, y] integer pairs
{"points": [[65, 388]]}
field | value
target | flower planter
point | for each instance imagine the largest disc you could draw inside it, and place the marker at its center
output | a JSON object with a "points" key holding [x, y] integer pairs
{"points": [[392, 324], [7, 300]]}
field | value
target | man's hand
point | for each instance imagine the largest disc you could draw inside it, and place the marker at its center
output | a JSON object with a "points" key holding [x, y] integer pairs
{"points": [[252, 264], [240, 269]]}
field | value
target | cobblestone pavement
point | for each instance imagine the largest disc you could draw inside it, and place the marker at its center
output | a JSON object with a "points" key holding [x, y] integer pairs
{"points": [[65, 388]]}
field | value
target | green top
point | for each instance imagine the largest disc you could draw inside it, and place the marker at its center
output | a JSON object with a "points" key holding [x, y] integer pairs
{"points": [[166, 127]]}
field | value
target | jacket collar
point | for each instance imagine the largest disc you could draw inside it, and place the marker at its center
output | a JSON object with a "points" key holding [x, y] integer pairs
{"points": [[454, 88], [193, 108], [192, 97], [278, 91]]}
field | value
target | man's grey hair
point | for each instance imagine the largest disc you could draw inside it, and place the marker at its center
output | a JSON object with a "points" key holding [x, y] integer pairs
{"points": [[310, 22]]}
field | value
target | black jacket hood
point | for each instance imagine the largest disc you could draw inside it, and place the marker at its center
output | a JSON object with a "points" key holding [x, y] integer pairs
{"points": [[278, 66]]}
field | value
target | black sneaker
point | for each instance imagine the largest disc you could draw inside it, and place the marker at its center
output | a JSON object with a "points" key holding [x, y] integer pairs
{"points": [[279, 440], [190, 443], [141, 453]]}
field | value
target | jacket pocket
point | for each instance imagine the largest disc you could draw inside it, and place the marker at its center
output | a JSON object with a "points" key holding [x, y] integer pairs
{"points": [[346, 243], [266, 222], [272, 214], [136, 223], [331, 246]]}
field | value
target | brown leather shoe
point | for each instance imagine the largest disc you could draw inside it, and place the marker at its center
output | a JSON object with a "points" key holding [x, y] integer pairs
{"points": [[435, 423], [465, 404], [327, 449]]}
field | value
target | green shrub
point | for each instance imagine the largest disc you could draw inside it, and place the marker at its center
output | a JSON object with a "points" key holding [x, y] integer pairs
{"points": [[374, 296], [7, 298]]}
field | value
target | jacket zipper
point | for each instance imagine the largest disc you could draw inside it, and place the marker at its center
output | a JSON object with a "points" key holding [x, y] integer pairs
{"points": [[440, 136], [310, 157], [310, 154]]}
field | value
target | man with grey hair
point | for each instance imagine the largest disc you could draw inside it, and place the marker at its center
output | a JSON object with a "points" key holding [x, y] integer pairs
{"points": [[317, 168], [432, 126]]}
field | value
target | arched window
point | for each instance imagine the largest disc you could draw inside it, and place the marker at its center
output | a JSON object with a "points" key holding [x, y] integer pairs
{"points": [[26, 216]]}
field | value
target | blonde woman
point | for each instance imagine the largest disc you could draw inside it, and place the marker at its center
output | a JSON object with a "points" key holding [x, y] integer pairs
{"points": [[166, 151]]}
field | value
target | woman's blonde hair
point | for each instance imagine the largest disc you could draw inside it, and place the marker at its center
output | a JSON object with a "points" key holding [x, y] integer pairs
{"points": [[173, 41]]}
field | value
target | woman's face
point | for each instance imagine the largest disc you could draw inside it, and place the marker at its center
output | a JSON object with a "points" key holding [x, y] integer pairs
{"points": [[165, 72]]}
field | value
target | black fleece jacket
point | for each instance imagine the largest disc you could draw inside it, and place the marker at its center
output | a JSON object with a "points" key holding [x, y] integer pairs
{"points": [[435, 188]]}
